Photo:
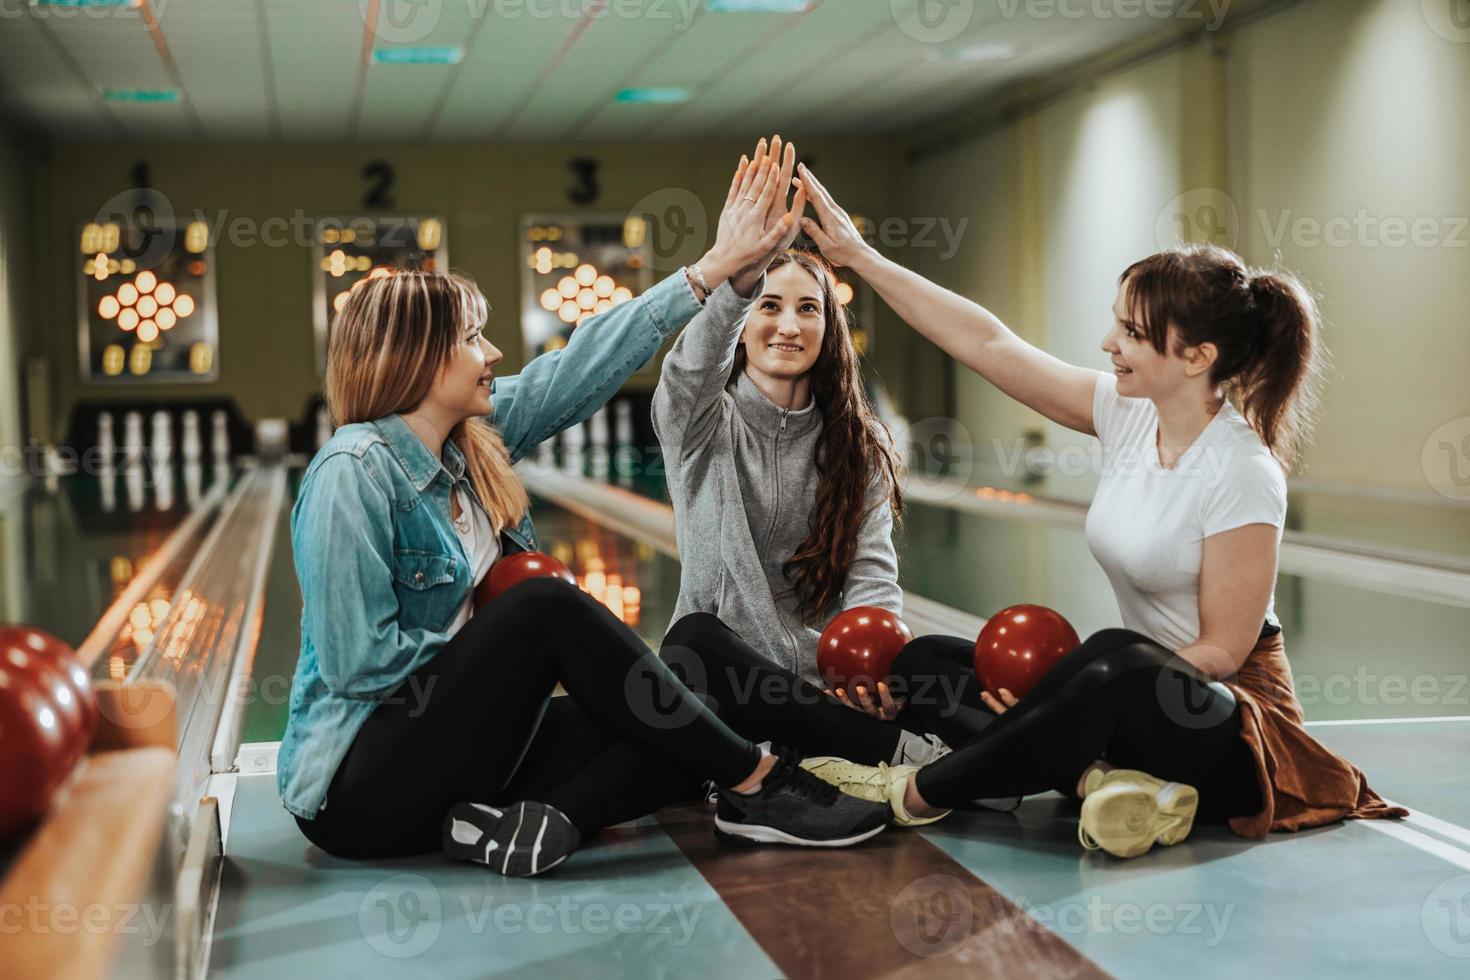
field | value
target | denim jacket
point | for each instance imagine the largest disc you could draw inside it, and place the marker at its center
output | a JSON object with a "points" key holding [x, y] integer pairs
{"points": [[382, 571]]}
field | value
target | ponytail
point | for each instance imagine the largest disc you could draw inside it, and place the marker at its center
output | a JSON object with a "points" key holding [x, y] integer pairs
{"points": [[1277, 391]]}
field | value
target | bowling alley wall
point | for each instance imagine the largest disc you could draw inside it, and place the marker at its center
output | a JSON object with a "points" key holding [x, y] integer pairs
{"points": [[266, 357], [1292, 128], [17, 269], [1325, 133]]}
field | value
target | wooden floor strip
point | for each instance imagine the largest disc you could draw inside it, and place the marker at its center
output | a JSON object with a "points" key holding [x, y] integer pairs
{"points": [[894, 906]]}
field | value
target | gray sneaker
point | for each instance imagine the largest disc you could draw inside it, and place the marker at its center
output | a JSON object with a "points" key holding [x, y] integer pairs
{"points": [[794, 807]]}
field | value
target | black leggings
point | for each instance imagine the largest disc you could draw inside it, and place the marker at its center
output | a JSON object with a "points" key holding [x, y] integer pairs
{"points": [[477, 722], [764, 701], [1120, 698]]}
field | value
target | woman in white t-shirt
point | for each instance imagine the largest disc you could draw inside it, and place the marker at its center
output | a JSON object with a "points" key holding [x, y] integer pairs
{"points": [[1189, 709]]}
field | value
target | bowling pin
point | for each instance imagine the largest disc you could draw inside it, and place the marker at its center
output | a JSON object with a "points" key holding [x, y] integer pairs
{"points": [[219, 443], [599, 451], [107, 485], [133, 480], [163, 486], [624, 455], [57, 463], [272, 438], [106, 441], [545, 455], [193, 447], [161, 446], [574, 452], [622, 422], [193, 483], [323, 426], [132, 446]]}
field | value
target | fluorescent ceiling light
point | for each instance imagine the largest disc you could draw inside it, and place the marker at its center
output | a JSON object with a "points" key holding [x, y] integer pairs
{"points": [[84, 3], [140, 94], [755, 6], [972, 53], [663, 95], [448, 55]]}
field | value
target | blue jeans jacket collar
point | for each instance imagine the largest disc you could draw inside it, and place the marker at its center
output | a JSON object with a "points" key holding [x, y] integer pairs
{"points": [[415, 458]]}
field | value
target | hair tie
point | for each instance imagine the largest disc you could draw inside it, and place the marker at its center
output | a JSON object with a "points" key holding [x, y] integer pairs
{"points": [[1259, 306]]}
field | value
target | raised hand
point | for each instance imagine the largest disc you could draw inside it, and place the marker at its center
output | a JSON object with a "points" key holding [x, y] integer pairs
{"points": [[754, 222], [746, 279], [833, 231]]}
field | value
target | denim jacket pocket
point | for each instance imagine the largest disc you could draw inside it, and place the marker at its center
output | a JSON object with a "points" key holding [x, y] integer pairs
{"points": [[424, 581]]}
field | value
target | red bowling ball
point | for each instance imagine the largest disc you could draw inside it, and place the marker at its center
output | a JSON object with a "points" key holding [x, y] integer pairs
{"points": [[859, 645], [1018, 645], [34, 751], [64, 682], [514, 569]]}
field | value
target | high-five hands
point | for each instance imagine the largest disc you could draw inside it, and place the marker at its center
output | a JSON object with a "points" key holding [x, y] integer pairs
{"points": [[777, 215], [755, 224], [833, 231]]}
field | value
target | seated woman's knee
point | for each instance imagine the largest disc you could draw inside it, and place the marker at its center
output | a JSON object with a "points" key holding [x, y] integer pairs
{"points": [[538, 594], [1112, 664], [914, 653], [689, 628]]}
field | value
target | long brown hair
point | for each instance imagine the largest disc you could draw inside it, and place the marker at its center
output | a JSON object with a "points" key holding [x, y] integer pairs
{"points": [[854, 449], [384, 352], [1264, 324]]}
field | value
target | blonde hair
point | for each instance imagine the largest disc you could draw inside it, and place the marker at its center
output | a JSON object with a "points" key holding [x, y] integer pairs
{"points": [[384, 352]]}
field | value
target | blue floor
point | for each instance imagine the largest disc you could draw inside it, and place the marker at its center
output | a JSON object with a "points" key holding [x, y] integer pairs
{"points": [[1345, 901]]}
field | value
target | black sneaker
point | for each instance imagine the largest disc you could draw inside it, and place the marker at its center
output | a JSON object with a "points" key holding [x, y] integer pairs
{"points": [[519, 840], [794, 807]]}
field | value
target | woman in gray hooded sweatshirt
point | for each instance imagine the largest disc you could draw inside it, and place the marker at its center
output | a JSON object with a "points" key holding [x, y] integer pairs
{"points": [[785, 490]]}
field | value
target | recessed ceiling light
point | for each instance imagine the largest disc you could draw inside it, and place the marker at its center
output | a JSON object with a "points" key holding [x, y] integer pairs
{"points": [[972, 53], [448, 55], [140, 94], [653, 95], [756, 6], [84, 3]]}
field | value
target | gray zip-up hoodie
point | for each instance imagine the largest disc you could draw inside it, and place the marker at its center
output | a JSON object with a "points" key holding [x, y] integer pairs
{"points": [[743, 478]]}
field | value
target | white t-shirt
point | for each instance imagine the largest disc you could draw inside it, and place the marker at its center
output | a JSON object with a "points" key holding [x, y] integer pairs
{"points": [[482, 545], [1147, 524]]}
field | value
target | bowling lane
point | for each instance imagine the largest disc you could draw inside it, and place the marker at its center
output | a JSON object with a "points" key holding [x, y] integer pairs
{"points": [[1414, 523], [73, 544]]}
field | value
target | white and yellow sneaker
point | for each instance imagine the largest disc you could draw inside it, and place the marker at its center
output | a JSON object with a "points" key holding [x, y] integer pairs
{"points": [[1124, 812], [881, 784]]}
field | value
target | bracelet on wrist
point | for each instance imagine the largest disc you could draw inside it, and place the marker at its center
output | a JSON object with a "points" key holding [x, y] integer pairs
{"points": [[696, 280]]}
